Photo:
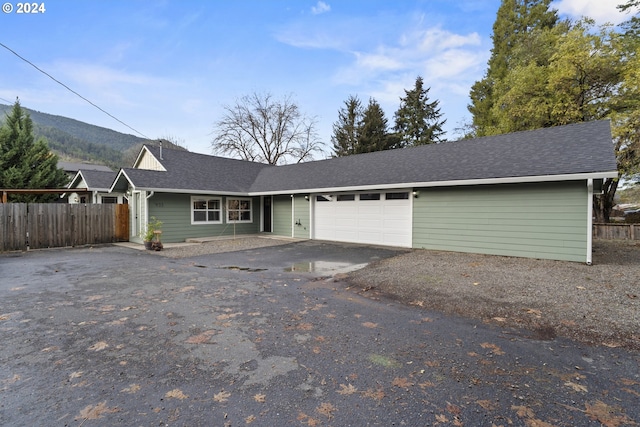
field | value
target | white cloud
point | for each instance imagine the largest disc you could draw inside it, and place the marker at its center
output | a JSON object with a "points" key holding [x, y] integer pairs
{"points": [[320, 7], [602, 11], [101, 76]]}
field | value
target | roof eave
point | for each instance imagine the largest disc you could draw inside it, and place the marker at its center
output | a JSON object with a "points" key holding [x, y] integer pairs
{"points": [[193, 191], [451, 183]]}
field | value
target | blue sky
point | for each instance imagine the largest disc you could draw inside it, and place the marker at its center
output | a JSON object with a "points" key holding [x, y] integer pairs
{"points": [[166, 68]]}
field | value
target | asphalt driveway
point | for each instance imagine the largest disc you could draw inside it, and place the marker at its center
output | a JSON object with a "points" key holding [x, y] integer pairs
{"points": [[115, 336]]}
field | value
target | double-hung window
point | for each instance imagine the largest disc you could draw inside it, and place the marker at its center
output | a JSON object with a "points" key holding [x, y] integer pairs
{"points": [[238, 210], [206, 211]]}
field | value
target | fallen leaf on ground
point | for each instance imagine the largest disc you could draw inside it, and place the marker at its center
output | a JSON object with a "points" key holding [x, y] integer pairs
{"points": [[76, 374], [347, 389], [223, 396], [100, 345], [93, 412], [12, 380], [494, 348], [133, 388], [488, 405], [627, 381], [576, 387], [306, 419], [304, 326], [203, 338], [530, 417], [533, 311], [326, 409], [453, 409], [176, 393], [250, 419], [228, 316], [370, 325], [401, 382], [606, 415], [374, 394], [260, 398]]}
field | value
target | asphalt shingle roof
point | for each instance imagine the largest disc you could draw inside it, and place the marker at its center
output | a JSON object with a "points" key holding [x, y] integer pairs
{"points": [[197, 172], [97, 179], [572, 149], [75, 167], [581, 148]]}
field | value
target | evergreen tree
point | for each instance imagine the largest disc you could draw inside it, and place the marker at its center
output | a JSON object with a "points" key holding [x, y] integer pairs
{"points": [[417, 121], [516, 20], [346, 130], [373, 129], [24, 162]]}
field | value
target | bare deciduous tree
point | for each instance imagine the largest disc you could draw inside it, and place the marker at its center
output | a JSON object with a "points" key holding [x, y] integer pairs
{"points": [[262, 129]]}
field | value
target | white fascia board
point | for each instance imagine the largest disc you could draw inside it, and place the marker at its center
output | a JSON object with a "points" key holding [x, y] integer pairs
{"points": [[454, 183], [122, 173], [142, 151], [198, 192], [73, 183]]}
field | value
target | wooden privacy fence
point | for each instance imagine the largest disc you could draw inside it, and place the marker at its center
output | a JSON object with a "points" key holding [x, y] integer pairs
{"points": [[48, 225], [616, 231]]}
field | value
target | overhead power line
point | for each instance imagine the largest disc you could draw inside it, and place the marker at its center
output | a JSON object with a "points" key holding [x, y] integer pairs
{"points": [[71, 90]]}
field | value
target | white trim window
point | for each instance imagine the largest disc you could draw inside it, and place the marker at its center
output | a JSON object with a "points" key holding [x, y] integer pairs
{"points": [[238, 210], [206, 210]]}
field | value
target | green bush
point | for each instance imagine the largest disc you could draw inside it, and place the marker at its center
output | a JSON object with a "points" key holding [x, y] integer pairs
{"points": [[153, 225]]}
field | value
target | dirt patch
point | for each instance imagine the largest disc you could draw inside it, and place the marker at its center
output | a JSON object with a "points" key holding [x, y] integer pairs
{"points": [[597, 304]]}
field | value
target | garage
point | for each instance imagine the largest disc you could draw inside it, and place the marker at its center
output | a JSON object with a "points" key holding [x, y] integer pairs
{"points": [[378, 218]]}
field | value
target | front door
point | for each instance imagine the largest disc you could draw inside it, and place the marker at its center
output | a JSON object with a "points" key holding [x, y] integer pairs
{"points": [[266, 214]]}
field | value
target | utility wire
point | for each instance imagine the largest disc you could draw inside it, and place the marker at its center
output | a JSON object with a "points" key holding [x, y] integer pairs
{"points": [[71, 90]]}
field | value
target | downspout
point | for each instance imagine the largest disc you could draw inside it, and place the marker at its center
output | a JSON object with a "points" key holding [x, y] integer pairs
{"points": [[589, 220], [293, 215]]}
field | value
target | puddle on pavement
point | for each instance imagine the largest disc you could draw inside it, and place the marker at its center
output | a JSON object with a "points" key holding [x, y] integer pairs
{"points": [[323, 267], [249, 269]]}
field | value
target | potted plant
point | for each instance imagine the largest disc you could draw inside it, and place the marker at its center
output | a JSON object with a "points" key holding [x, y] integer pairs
{"points": [[153, 227]]}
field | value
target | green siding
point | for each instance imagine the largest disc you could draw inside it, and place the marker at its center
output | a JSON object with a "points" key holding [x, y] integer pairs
{"points": [[302, 215], [174, 210], [530, 220], [282, 215]]}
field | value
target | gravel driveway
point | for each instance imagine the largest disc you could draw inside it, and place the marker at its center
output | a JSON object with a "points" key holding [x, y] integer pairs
{"points": [[596, 304]]}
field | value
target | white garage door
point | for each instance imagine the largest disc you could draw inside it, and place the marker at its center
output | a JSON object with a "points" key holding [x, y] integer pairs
{"points": [[379, 218]]}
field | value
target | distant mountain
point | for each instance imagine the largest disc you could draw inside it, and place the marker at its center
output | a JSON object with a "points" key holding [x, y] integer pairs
{"points": [[78, 141]]}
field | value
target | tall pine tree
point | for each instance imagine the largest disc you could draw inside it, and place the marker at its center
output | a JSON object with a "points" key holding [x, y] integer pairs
{"points": [[24, 162], [373, 129], [418, 121], [347, 129], [515, 22]]}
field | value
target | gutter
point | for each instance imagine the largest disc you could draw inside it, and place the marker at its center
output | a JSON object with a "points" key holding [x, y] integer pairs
{"points": [[452, 183]]}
